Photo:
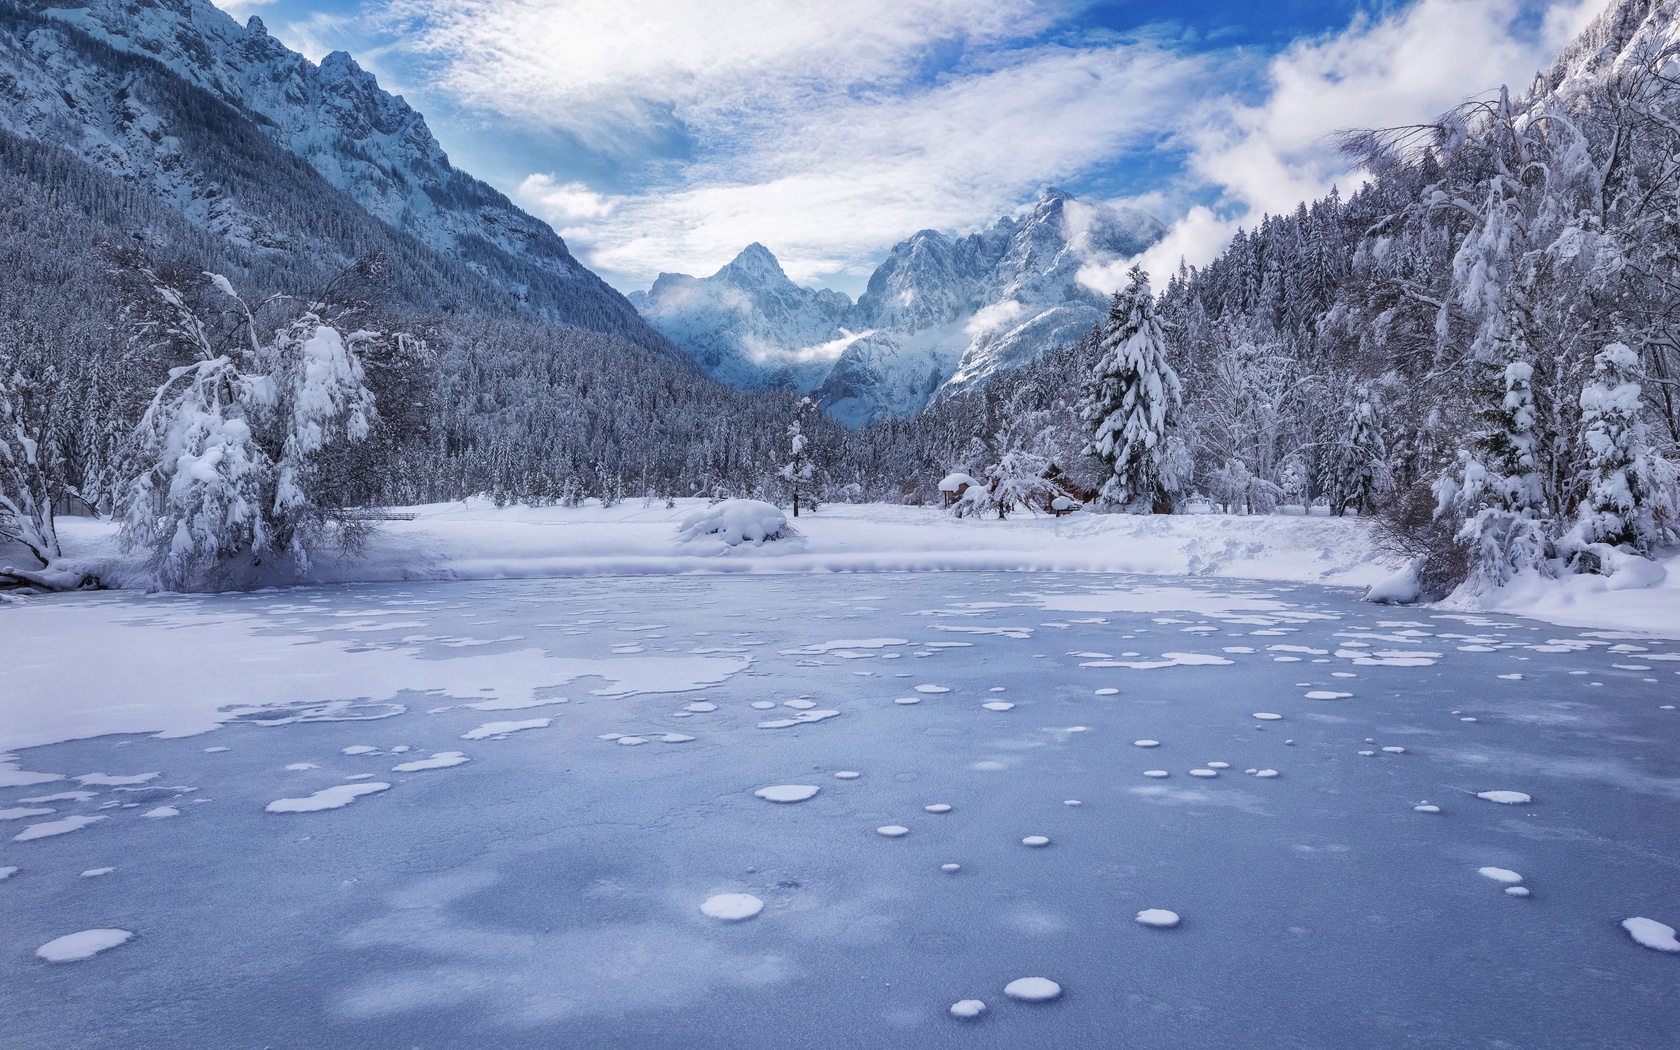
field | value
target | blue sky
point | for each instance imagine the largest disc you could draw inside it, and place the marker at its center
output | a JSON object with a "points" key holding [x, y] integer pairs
{"points": [[665, 135]]}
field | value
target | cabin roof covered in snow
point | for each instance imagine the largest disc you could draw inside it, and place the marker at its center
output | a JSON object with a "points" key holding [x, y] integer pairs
{"points": [[953, 482]]}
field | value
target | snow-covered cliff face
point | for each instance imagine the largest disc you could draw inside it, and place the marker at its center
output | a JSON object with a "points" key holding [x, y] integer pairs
{"points": [[938, 315], [365, 142]]}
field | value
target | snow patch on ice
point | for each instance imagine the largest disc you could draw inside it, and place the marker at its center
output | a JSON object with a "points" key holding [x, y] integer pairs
{"points": [[74, 947], [336, 797]]}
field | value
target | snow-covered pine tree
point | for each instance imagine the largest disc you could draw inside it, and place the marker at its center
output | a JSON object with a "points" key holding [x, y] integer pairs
{"points": [[1498, 495], [1616, 465], [800, 470], [1131, 400], [1358, 470], [230, 444], [27, 485]]}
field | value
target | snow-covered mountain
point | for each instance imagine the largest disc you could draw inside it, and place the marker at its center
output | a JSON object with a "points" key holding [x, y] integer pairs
{"points": [[748, 324], [940, 314], [363, 141]]}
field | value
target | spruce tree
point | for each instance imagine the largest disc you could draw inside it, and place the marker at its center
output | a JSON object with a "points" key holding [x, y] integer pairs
{"points": [[1616, 473], [1358, 469], [1131, 400]]}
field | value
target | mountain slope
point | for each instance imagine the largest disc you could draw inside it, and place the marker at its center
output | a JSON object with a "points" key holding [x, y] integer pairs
{"points": [[939, 315], [368, 144]]}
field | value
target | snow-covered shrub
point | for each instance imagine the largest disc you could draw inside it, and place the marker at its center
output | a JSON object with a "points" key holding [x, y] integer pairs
{"points": [[1017, 482], [734, 522], [231, 447]]}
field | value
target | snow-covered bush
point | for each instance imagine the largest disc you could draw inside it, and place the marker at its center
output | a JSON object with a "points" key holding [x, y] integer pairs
{"points": [[1017, 482], [231, 448], [734, 522]]}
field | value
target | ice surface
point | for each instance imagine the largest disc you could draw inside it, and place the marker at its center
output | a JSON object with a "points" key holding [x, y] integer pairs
{"points": [[732, 907], [74, 947], [550, 894], [1033, 989], [787, 792], [336, 797], [1158, 917], [1652, 934]]}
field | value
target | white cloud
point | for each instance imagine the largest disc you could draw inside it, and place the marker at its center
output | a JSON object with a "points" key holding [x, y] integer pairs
{"points": [[830, 129], [852, 176], [564, 203]]}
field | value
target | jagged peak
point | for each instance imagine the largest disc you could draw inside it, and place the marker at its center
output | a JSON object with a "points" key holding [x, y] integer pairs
{"points": [[255, 26], [755, 264]]}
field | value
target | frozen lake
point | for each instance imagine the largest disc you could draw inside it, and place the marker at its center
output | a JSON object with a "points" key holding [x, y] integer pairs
{"points": [[489, 814]]}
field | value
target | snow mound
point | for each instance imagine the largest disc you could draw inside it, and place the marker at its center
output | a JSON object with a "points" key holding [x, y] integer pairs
{"points": [[1500, 874], [74, 947], [1399, 588], [735, 522], [1505, 798], [1160, 918], [787, 792], [967, 1009], [1033, 989], [732, 907], [1652, 934]]}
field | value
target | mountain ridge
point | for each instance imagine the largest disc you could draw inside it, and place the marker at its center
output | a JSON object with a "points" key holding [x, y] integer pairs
{"points": [[367, 143], [940, 314]]}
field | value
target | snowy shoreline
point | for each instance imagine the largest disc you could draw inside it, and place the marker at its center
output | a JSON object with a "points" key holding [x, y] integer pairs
{"points": [[476, 540]]}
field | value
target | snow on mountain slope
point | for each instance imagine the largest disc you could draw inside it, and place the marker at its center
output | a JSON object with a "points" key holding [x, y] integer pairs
{"points": [[369, 144], [939, 315], [748, 324]]}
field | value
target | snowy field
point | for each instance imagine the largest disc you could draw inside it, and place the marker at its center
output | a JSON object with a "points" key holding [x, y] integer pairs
{"points": [[817, 810]]}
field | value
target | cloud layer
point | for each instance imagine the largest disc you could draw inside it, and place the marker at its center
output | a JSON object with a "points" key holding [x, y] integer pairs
{"points": [[829, 130]]}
